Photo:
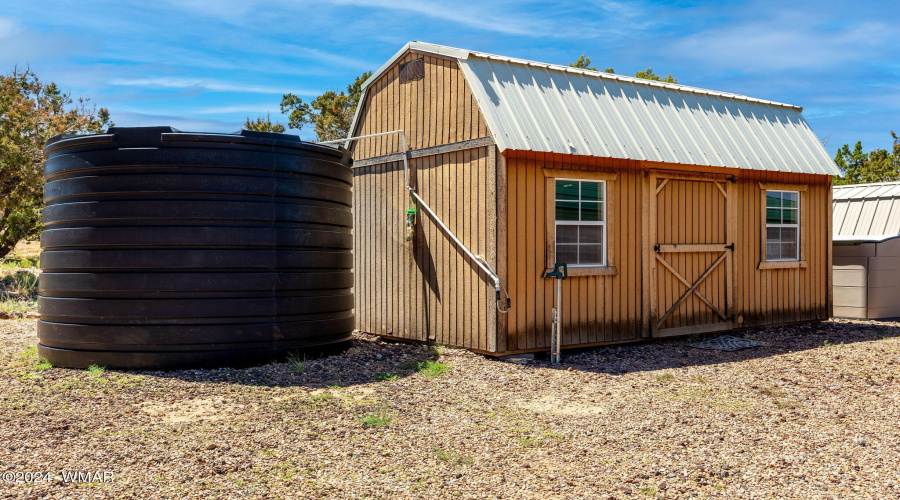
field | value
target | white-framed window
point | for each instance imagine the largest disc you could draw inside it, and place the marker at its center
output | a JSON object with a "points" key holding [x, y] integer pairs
{"points": [[580, 214], [782, 225]]}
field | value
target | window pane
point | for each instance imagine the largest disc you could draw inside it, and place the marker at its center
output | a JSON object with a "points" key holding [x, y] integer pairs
{"points": [[590, 191], [590, 234], [773, 251], [566, 190], [590, 211], [567, 254], [773, 198], [789, 216], [590, 254], [789, 200], [781, 243], [789, 251], [566, 210], [789, 235], [566, 234], [773, 215]]}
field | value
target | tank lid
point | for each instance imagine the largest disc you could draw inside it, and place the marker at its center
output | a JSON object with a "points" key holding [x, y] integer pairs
{"points": [[148, 137]]}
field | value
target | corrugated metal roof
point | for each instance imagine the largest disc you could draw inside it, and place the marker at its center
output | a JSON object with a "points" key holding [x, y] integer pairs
{"points": [[873, 190], [550, 108], [867, 209]]}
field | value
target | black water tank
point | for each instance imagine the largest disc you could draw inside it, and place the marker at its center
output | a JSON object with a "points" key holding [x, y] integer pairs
{"points": [[165, 249]]}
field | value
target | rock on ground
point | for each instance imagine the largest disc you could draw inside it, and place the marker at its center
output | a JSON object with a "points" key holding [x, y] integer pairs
{"points": [[813, 414]]}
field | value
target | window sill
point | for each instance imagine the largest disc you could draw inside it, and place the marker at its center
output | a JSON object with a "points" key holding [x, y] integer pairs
{"points": [[593, 271], [789, 264]]}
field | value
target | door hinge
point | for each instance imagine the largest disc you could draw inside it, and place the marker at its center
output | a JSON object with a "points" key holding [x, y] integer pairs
{"points": [[656, 248], [730, 247]]}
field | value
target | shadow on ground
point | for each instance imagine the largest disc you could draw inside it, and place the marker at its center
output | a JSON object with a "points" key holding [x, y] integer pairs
{"points": [[371, 359], [673, 353], [368, 360]]}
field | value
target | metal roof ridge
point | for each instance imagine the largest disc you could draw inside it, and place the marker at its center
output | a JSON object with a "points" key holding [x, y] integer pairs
{"points": [[463, 53]]}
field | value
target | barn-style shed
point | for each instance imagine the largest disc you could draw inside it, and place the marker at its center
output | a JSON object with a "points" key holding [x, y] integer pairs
{"points": [[678, 210], [867, 250]]}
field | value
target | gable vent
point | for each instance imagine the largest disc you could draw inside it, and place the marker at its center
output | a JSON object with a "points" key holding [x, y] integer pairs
{"points": [[412, 70]]}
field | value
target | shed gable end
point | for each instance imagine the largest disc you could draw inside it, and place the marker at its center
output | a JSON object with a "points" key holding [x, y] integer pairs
{"points": [[433, 109]]}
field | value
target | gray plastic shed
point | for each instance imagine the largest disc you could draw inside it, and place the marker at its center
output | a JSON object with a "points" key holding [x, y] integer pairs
{"points": [[867, 250]]}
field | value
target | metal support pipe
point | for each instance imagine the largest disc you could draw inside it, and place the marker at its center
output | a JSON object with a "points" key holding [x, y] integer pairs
{"points": [[480, 261], [556, 339]]}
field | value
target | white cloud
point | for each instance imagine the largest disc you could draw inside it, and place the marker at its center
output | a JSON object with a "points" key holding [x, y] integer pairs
{"points": [[129, 118], [504, 17], [785, 41], [239, 108], [8, 28], [202, 84]]}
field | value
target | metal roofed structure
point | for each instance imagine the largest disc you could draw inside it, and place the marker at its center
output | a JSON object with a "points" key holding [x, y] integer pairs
{"points": [[532, 106], [866, 210], [866, 247]]}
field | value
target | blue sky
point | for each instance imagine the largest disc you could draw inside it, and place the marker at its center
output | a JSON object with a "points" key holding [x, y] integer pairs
{"points": [[208, 65]]}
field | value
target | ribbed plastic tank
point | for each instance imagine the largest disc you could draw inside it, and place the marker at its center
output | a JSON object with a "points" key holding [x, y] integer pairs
{"points": [[165, 249]]}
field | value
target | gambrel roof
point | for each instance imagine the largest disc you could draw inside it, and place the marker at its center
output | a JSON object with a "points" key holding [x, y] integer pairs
{"points": [[534, 106]]}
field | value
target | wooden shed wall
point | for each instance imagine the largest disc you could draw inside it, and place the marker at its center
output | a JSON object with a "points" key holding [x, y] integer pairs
{"points": [[595, 308], [611, 308], [438, 109], [427, 289]]}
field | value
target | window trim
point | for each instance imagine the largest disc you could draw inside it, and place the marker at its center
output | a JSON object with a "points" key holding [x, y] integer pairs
{"points": [[551, 175], [796, 225], [800, 261], [601, 223]]}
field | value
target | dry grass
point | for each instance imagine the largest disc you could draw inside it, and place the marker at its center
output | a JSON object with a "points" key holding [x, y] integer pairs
{"points": [[794, 419], [19, 279]]}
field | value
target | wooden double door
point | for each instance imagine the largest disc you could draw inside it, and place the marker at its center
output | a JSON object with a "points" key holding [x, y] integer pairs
{"points": [[691, 259]]}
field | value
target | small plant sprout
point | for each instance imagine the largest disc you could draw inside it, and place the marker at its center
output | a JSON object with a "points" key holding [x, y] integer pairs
{"points": [[42, 365], [322, 396], [386, 376], [432, 369], [95, 370], [452, 458], [298, 364], [375, 420], [665, 377]]}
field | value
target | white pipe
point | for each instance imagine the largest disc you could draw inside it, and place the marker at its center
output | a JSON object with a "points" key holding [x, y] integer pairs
{"points": [[483, 264]]}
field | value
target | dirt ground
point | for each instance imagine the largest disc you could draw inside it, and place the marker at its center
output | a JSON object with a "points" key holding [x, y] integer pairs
{"points": [[813, 414]]}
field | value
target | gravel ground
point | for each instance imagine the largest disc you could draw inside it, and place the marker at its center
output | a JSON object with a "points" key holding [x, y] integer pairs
{"points": [[813, 414]]}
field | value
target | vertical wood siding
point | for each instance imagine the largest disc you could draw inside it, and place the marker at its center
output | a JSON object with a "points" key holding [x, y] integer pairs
{"points": [[425, 290], [690, 212], [599, 309], [595, 308], [428, 290], [438, 109]]}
